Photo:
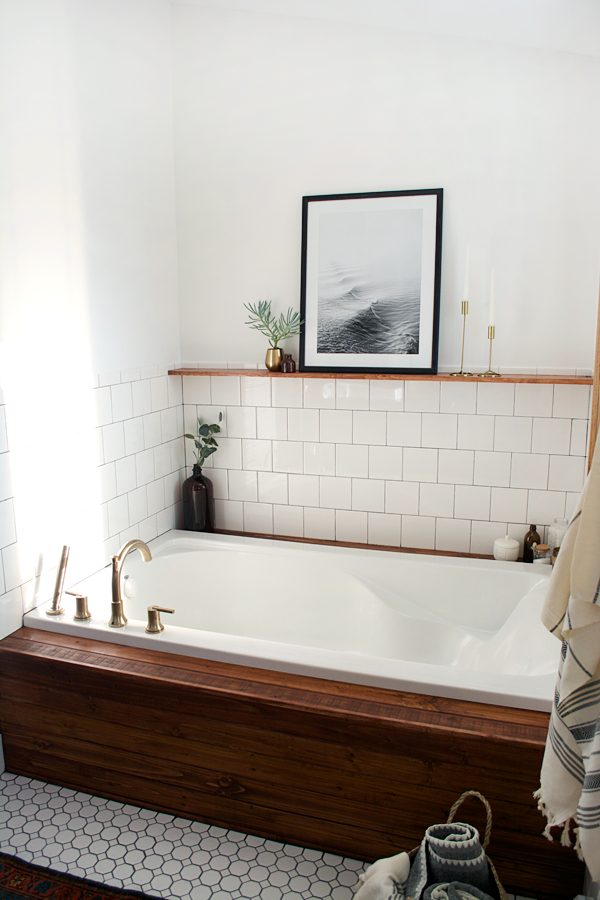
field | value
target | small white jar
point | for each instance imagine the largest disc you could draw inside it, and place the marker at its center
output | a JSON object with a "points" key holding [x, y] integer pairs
{"points": [[506, 548]]}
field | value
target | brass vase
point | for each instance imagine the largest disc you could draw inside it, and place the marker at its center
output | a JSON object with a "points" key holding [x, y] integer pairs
{"points": [[274, 359]]}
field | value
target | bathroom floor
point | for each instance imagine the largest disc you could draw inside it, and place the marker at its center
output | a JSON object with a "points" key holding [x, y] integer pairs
{"points": [[161, 855]]}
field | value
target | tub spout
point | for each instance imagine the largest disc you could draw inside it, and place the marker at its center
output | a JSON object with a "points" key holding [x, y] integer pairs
{"points": [[117, 615]]}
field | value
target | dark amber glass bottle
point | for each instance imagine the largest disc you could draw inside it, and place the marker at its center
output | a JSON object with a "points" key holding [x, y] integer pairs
{"points": [[197, 502], [531, 538]]}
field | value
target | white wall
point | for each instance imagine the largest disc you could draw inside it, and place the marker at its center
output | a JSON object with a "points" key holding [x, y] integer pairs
{"points": [[270, 108], [88, 281]]}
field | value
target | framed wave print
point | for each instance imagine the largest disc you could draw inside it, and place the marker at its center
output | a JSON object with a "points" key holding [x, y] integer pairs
{"points": [[371, 266]]}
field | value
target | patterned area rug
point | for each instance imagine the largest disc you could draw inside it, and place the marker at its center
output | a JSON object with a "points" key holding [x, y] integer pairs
{"points": [[23, 881]]}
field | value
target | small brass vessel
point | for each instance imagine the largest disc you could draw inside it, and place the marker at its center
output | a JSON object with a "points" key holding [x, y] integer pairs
{"points": [[274, 359]]}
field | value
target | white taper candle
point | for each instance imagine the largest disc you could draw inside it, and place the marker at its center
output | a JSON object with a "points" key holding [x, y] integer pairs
{"points": [[466, 284], [492, 298]]}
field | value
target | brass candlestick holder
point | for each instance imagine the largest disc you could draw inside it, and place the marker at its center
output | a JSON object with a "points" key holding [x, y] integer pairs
{"points": [[464, 310], [490, 373]]}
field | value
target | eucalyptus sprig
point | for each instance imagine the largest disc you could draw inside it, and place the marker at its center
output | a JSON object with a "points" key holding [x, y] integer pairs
{"points": [[276, 329], [205, 444]]}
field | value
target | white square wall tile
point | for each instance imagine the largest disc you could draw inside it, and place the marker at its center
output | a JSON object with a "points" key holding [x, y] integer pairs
{"points": [[319, 393], [288, 521], [439, 430], [495, 399], [162, 460], [134, 435], [420, 464], [534, 399], [219, 481], [148, 529], [456, 466], [571, 401], [196, 389], [257, 455], [225, 390], [303, 424], [272, 487], [103, 406], [142, 398], [384, 529], [256, 391], [125, 472], [319, 524], [287, 392], [387, 395], [229, 515], [258, 517], [335, 493], [402, 497], [288, 456], [229, 454], [159, 391], [513, 434], [144, 467], [368, 494], [453, 535], [529, 470], [118, 515], [436, 500], [492, 468], [352, 393], [475, 432], [422, 396], [385, 462], [336, 426], [567, 473], [508, 504], [351, 526], [369, 427], [418, 532], [169, 424], [175, 390], [8, 534], [352, 460], [319, 459], [155, 496], [122, 401], [242, 485], [113, 440], [271, 423], [404, 429], [152, 430], [458, 398], [579, 430], [241, 422], [483, 535], [303, 490], [138, 505], [545, 506], [471, 501], [551, 436]]}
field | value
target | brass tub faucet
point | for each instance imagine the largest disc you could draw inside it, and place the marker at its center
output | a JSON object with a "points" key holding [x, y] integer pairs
{"points": [[117, 616]]}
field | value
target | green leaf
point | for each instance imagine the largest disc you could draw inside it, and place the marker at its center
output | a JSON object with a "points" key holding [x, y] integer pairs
{"points": [[192, 437], [204, 430]]}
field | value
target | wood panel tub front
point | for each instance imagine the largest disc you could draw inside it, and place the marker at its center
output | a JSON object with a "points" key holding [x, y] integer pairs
{"points": [[354, 770]]}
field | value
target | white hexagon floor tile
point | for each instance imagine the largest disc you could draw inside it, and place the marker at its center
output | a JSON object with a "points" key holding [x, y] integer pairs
{"points": [[159, 854]]}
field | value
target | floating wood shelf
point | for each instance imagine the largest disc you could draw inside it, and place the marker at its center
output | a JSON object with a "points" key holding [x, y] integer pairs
{"points": [[505, 379]]}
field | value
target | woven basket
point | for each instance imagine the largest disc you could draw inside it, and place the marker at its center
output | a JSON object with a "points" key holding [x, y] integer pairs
{"points": [[486, 838]]}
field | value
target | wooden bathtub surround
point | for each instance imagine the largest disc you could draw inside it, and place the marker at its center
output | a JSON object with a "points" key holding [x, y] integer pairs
{"points": [[352, 770]]}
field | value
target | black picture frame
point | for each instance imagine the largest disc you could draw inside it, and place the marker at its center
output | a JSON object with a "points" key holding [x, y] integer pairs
{"points": [[370, 282]]}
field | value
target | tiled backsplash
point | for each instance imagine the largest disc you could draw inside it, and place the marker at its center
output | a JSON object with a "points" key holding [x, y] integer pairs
{"points": [[422, 464], [139, 419]]}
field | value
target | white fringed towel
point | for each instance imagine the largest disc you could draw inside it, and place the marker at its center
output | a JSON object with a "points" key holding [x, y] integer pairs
{"points": [[569, 794]]}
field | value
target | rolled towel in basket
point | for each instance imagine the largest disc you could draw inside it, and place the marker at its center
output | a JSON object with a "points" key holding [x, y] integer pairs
{"points": [[450, 853], [455, 890]]}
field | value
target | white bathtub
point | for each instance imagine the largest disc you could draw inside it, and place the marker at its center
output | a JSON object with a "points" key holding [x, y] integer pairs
{"points": [[461, 628]]}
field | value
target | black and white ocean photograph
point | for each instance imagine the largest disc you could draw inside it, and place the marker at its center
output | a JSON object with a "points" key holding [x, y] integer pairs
{"points": [[369, 281], [371, 270]]}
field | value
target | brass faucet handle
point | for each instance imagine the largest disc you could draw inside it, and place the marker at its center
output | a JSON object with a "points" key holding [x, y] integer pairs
{"points": [[155, 626], [81, 605]]}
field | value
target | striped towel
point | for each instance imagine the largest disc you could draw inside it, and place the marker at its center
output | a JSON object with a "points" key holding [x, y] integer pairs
{"points": [[569, 795]]}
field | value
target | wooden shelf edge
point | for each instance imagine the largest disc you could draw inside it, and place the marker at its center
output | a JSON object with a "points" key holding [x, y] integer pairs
{"points": [[371, 376]]}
